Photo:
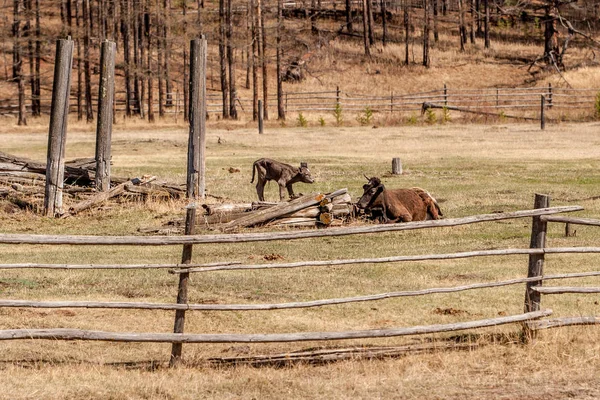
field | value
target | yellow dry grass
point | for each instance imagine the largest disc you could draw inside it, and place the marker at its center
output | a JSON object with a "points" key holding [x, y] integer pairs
{"points": [[470, 169]]}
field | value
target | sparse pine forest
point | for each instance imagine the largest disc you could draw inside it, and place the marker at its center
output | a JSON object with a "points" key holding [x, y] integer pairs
{"points": [[263, 49]]}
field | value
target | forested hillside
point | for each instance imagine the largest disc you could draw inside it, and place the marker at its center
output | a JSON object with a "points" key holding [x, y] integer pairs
{"points": [[261, 49]]}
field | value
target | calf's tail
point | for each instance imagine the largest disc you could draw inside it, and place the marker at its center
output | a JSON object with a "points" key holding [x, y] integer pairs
{"points": [[253, 169]]}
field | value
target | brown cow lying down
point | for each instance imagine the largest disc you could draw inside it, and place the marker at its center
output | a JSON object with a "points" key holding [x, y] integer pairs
{"points": [[399, 205]]}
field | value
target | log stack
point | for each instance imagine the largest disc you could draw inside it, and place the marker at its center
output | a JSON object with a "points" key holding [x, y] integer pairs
{"points": [[22, 182], [309, 210]]}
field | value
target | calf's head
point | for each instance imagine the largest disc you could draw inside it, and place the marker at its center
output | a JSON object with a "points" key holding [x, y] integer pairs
{"points": [[304, 173], [371, 190]]}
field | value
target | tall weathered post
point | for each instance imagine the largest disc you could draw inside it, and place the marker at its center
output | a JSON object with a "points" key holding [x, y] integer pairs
{"points": [[106, 94], [536, 261], [57, 135], [196, 163], [182, 291]]}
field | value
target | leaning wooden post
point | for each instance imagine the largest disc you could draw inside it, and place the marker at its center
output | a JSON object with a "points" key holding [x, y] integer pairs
{"points": [[542, 113], [57, 136], [261, 117], [536, 261], [196, 183], [182, 291], [396, 166], [106, 93]]}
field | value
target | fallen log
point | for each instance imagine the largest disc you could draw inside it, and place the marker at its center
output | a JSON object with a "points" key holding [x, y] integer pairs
{"points": [[75, 171]]}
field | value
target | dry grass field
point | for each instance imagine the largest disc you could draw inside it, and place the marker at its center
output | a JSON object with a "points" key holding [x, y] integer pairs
{"points": [[469, 169]]}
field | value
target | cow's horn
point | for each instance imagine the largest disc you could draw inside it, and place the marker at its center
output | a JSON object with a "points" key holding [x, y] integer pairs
{"points": [[365, 175], [304, 164]]}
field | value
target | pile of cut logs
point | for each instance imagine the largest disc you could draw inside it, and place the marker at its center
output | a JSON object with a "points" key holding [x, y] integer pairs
{"points": [[304, 211], [23, 181]]}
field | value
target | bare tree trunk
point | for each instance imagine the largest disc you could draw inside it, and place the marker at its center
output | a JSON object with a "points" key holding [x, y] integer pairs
{"points": [[231, 58], [349, 26], [406, 33], [160, 47], [142, 13], [461, 25], [18, 57], [280, 107], [479, 32], [472, 22], [186, 110], [78, 24], [223, 59], [89, 112], [366, 28], [371, 23], [250, 39], [28, 34], [384, 22], [147, 30], [436, 35], [38, 57], [255, 49], [126, 33], [263, 44], [551, 48], [486, 24], [136, 58], [167, 50], [426, 33]]}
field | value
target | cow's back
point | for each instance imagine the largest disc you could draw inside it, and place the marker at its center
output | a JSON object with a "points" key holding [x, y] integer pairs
{"points": [[410, 200]]}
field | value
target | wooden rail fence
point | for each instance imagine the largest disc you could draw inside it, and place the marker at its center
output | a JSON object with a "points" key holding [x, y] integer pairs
{"points": [[519, 103], [529, 319]]}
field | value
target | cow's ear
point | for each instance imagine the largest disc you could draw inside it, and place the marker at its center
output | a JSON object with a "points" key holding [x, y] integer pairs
{"points": [[303, 165]]}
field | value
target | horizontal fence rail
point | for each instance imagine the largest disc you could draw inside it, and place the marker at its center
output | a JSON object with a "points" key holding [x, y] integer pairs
{"points": [[76, 334], [266, 236]]}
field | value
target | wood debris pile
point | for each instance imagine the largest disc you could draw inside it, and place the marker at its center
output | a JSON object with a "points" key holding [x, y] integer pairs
{"points": [[23, 181], [312, 210]]}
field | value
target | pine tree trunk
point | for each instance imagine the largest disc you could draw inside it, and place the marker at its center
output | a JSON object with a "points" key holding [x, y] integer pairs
{"points": [[78, 24], [136, 58], [366, 28], [255, 48], [28, 34], [147, 30], [142, 47], [436, 35], [223, 60], [486, 24], [426, 33], [472, 22], [248, 43], [38, 58], [371, 23], [18, 58], [550, 21], [265, 81], [89, 112], [160, 46], [349, 26], [186, 79], [126, 33], [461, 25], [280, 107], [384, 22], [231, 57], [406, 33]]}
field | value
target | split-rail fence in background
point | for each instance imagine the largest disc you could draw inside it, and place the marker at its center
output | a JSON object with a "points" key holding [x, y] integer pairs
{"points": [[520, 103], [531, 318]]}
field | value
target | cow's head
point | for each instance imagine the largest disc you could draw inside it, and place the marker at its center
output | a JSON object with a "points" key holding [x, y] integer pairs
{"points": [[304, 173], [371, 190]]}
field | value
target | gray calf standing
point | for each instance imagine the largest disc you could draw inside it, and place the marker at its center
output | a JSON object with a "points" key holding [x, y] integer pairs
{"points": [[284, 174]]}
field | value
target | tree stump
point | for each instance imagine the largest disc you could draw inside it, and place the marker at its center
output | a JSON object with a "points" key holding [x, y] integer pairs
{"points": [[396, 166]]}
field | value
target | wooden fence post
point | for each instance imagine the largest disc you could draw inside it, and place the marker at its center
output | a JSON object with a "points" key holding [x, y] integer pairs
{"points": [[396, 166], [549, 95], [445, 96], [497, 97], [261, 117], [57, 136], [182, 291], [392, 102], [196, 183], [337, 95], [542, 113], [106, 93], [536, 261]]}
